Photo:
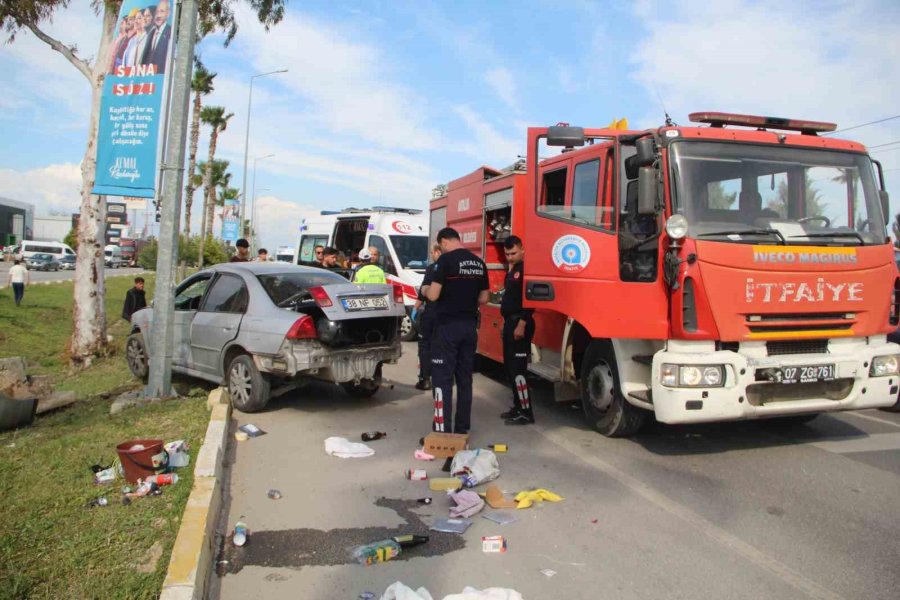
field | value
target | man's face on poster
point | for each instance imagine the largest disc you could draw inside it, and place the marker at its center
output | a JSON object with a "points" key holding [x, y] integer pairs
{"points": [[162, 13], [148, 19]]}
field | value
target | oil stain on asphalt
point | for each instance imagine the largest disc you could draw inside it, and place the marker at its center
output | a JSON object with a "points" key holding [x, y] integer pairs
{"points": [[298, 548]]}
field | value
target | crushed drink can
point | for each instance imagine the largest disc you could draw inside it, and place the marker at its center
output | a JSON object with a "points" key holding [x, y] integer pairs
{"points": [[416, 474], [493, 543]]}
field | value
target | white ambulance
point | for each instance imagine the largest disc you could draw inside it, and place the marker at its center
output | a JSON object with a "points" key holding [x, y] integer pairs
{"points": [[399, 234]]}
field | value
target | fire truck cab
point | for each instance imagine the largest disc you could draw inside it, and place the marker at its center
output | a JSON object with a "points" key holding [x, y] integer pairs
{"points": [[399, 234], [737, 268]]}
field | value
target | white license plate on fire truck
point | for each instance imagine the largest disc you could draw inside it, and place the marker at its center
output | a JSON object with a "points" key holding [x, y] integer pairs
{"points": [[367, 303], [807, 373]]}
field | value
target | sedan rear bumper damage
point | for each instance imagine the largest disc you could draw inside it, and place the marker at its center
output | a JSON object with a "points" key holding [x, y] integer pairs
{"points": [[310, 358]]}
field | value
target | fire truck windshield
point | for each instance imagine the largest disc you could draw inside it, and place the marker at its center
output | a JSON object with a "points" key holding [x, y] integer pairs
{"points": [[761, 194]]}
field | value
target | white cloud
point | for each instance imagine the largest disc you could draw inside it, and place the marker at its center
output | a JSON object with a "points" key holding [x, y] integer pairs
{"points": [[54, 187], [277, 221], [502, 82], [487, 143], [794, 60]]}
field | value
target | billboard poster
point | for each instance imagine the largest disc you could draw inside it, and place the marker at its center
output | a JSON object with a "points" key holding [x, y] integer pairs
{"points": [[130, 108], [231, 217]]}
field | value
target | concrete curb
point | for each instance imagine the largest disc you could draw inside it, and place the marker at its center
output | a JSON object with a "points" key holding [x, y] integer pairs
{"points": [[193, 552]]}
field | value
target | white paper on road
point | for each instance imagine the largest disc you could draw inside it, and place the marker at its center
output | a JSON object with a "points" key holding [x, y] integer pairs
{"points": [[344, 448], [398, 591]]}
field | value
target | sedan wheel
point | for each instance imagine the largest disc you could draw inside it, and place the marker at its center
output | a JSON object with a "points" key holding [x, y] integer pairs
{"points": [[408, 331], [248, 388], [136, 355]]}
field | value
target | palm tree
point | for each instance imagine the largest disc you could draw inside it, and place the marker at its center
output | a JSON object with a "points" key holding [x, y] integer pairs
{"points": [[201, 84], [215, 117]]}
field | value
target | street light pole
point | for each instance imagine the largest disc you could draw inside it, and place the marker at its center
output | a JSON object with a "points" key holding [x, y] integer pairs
{"points": [[247, 143], [253, 215], [253, 207]]}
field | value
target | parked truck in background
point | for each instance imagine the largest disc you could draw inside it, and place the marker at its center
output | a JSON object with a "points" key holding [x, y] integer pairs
{"points": [[285, 254], [737, 269]]}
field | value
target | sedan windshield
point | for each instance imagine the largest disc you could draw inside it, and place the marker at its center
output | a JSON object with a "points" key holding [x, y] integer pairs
{"points": [[775, 194], [412, 250], [282, 288]]}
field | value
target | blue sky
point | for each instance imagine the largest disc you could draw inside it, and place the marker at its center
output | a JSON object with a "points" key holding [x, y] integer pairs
{"points": [[384, 100]]}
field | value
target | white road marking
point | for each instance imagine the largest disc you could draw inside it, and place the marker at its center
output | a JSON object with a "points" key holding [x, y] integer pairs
{"points": [[873, 442], [872, 418]]}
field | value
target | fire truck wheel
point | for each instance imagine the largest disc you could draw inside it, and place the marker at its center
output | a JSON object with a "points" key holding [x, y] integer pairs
{"points": [[605, 408]]}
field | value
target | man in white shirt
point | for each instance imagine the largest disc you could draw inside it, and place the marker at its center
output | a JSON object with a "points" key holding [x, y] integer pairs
{"points": [[18, 279]]}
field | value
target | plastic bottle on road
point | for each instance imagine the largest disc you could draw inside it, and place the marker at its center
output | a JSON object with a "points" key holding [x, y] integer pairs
{"points": [[376, 552]]}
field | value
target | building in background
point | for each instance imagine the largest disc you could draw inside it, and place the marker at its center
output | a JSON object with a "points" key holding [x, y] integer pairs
{"points": [[16, 221], [53, 228]]}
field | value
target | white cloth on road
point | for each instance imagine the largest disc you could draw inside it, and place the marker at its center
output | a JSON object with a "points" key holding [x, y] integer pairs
{"points": [[344, 448], [398, 591]]}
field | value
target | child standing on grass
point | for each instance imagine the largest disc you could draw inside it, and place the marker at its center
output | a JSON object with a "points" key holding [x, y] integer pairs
{"points": [[18, 279]]}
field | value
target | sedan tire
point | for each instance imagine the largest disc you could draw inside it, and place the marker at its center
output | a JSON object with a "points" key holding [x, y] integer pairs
{"points": [[366, 388], [248, 388], [408, 331], [136, 355]]}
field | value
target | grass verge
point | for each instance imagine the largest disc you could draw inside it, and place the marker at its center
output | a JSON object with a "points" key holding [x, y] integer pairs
{"points": [[40, 330], [51, 544]]}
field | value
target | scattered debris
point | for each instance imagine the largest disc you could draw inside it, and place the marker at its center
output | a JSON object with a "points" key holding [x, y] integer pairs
{"points": [[241, 436], [528, 497], [410, 540], [493, 543], [467, 503], [241, 533], [500, 517], [479, 466], [252, 430], [495, 498], [416, 474], [445, 445], [369, 554], [344, 448], [398, 591], [424, 500], [450, 525], [422, 455], [371, 436], [144, 488], [101, 501], [498, 448], [366, 596], [274, 494], [548, 572], [439, 484], [594, 521], [179, 455], [163, 479]]}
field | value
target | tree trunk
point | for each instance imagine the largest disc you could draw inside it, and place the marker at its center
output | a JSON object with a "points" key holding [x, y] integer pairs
{"points": [[88, 312], [207, 183], [192, 164], [211, 205]]}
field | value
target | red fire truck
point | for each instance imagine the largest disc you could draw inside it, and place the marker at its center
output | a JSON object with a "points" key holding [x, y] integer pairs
{"points": [[737, 268]]}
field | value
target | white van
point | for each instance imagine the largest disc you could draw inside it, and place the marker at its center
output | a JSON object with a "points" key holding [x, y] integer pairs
{"points": [[27, 249], [400, 234], [113, 257]]}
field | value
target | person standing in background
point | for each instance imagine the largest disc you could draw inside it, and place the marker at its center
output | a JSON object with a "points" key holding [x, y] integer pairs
{"points": [[135, 299], [18, 280], [423, 317]]}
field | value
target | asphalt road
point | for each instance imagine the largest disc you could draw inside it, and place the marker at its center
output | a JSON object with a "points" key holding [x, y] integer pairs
{"points": [[47, 276], [739, 510]]}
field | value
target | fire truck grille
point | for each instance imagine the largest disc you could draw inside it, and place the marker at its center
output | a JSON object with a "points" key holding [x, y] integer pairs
{"points": [[779, 348], [760, 394]]}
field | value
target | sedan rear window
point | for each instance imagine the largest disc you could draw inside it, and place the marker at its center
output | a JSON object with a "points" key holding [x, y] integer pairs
{"points": [[282, 287]]}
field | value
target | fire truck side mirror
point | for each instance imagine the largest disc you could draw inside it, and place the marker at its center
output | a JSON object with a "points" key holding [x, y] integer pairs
{"points": [[646, 152], [563, 135], [647, 191], [885, 204]]}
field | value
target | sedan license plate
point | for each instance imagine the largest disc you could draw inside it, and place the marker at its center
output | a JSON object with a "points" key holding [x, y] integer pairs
{"points": [[368, 303], [807, 373]]}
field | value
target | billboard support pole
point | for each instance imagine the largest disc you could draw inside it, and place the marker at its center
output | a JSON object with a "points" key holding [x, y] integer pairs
{"points": [[159, 382]]}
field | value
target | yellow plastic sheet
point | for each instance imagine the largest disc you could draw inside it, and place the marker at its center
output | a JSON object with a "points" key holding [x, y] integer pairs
{"points": [[526, 498]]}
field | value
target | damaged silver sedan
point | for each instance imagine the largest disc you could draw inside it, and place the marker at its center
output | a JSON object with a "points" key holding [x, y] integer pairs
{"points": [[264, 329]]}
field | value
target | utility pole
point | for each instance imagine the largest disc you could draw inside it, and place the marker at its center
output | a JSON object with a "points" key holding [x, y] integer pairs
{"points": [[160, 377]]}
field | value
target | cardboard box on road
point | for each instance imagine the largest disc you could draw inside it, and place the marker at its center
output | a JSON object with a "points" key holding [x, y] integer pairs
{"points": [[446, 445]]}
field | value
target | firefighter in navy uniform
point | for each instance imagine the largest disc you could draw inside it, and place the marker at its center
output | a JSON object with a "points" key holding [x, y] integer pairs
{"points": [[518, 331], [424, 318], [459, 287]]}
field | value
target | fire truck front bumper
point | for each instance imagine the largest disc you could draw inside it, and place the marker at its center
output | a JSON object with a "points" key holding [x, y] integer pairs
{"points": [[694, 383]]}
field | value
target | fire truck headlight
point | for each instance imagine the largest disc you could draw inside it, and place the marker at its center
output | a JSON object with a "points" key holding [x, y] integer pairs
{"points": [[692, 375], [885, 365], [676, 227]]}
